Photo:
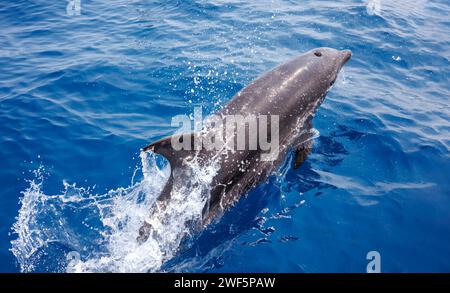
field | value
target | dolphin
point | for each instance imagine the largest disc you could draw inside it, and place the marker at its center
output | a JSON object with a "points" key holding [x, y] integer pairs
{"points": [[292, 92]]}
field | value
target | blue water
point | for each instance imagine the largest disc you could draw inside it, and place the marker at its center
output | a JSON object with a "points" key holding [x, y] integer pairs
{"points": [[80, 95]]}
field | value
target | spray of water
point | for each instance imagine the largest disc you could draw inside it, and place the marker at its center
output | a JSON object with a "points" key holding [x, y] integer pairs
{"points": [[103, 228]]}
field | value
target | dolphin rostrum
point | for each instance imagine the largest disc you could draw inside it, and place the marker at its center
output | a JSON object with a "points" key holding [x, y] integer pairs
{"points": [[291, 92]]}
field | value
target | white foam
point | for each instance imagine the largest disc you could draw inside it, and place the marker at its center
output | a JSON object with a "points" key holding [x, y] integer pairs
{"points": [[373, 7], [103, 228]]}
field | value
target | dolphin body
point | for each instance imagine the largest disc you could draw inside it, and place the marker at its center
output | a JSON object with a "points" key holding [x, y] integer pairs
{"points": [[293, 91]]}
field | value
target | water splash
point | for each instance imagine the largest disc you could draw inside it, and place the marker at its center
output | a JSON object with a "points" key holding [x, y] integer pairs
{"points": [[373, 7], [103, 228]]}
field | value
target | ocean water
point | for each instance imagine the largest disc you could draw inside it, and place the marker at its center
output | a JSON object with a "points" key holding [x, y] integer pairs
{"points": [[81, 94]]}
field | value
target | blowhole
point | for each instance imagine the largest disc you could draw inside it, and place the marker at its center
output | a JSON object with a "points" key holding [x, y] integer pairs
{"points": [[318, 53]]}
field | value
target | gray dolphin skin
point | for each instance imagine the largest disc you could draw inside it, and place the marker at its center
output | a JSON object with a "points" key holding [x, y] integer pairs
{"points": [[293, 91]]}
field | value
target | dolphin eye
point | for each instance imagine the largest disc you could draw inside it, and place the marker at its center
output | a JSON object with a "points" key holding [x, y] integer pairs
{"points": [[318, 53]]}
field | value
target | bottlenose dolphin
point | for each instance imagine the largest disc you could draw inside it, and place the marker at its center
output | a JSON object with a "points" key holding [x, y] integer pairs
{"points": [[292, 92]]}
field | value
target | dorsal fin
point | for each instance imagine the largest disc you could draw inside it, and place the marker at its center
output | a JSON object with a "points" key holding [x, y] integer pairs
{"points": [[164, 147], [175, 157]]}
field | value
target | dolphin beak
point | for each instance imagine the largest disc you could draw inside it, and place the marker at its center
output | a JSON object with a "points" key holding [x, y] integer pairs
{"points": [[346, 55]]}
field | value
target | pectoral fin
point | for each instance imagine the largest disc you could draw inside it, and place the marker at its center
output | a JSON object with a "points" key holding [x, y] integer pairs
{"points": [[302, 153]]}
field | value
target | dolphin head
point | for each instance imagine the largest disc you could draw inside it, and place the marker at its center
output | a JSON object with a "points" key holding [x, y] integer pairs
{"points": [[307, 78], [327, 62]]}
